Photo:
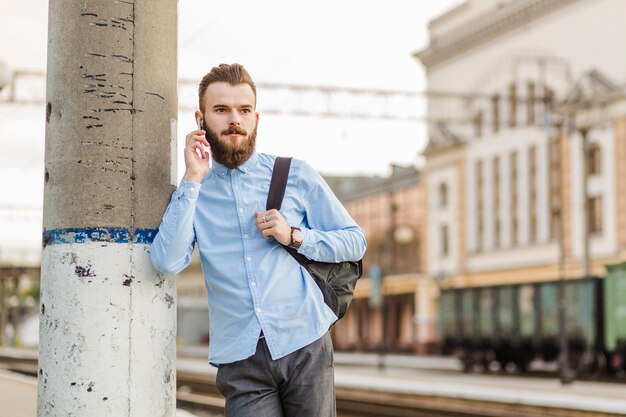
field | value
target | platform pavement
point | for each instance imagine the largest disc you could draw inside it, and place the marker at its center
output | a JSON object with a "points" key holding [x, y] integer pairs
{"points": [[18, 396], [440, 377], [595, 397]]}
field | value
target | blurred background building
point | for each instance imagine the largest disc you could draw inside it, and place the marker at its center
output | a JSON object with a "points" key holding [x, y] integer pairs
{"points": [[524, 182], [525, 188], [394, 307], [507, 193]]}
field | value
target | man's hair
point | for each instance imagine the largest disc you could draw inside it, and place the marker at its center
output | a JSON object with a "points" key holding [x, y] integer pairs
{"points": [[233, 74]]}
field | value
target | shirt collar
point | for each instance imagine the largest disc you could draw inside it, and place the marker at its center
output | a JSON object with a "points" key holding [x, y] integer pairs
{"points": [[221, 170]]}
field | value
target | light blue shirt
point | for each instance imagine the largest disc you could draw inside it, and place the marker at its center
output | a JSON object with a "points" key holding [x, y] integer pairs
{"points": [[252, 282]]}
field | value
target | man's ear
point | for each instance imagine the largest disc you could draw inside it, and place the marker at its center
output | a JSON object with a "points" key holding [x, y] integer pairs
{"points": [[199, 119]]}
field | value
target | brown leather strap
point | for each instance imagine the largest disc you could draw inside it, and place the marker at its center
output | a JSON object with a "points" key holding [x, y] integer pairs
{"points": [[275, 196], [280, 173]]}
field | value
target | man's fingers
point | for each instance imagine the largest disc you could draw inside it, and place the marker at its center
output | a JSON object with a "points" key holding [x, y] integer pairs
{"points": [[198, 150], [272, 224], [266, 216], [202, 140], [197, 145], [261, 217], [266, 225], [197, 135], [198, 139]]}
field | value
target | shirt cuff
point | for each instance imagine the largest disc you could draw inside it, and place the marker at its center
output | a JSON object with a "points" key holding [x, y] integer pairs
{"points": [[189, 189], [306, 249]]}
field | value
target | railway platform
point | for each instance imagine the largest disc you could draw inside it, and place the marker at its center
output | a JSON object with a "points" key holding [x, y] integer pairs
{"points": [[429, 381], [19, 395], [414, 382]]}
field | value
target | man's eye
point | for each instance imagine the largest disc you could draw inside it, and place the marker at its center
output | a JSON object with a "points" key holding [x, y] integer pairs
{"points": [[220, 110], [246, 111]]}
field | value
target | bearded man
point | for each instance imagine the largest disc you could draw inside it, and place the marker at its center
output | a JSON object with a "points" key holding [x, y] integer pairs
{"points": [[269, 327]]}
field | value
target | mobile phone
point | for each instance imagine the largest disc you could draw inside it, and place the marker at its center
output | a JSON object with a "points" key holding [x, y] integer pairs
{"points": [[205, 149]]}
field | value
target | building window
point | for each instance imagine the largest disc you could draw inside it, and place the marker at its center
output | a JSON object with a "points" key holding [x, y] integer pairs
{"points": [[547, 101], [445, 244], [495, 110], [594, 159], [443, 195], [496, 201], [512, 105], [554, 178], [514, 199], [594, 211], [478, 124], [532, 183], [530, 103], [480, 227]]}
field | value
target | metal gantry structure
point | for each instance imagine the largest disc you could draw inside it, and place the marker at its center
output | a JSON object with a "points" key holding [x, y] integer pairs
{"points": [[28, 88]]}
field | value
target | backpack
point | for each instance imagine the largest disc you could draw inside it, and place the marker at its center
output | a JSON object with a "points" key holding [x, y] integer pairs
{"points": [[335, 280]]}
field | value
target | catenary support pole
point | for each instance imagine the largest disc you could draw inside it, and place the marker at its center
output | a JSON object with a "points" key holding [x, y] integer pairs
{"points": [[107, 318], [584, 168]]}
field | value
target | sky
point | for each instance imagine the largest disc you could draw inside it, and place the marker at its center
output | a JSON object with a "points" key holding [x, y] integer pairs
{"points": [[344, 43]]}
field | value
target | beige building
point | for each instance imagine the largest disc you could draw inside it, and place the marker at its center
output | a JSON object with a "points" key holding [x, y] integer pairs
{"points": [[525, 176], [397, 311]]}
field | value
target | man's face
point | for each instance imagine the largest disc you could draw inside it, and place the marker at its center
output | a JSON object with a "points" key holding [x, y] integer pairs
{"points": [[230, 122]]}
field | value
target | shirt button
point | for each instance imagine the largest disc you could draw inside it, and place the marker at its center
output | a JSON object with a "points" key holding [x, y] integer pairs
{"points": [[258, 310], [249, 258], [246, 236], [253, 284], [241, 209]]}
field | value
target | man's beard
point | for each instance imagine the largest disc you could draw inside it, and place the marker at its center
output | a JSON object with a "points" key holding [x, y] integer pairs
{"points": [[228, 154]]}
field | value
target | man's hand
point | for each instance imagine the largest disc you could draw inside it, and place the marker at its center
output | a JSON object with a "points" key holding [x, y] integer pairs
{"points": [[197, 167], [273, 224]]}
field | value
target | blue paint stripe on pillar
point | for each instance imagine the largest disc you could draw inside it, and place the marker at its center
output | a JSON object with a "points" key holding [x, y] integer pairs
{"points": [[98, 234]]}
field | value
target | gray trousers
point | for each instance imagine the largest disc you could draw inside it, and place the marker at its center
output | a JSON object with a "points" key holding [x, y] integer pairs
{"points": [[301, 384]]}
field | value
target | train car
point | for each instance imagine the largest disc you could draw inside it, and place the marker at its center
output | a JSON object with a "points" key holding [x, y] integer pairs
{"points": [[615, 317], [509, 326]]}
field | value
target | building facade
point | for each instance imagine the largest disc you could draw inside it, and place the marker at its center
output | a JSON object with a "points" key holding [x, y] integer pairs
{"points": [[526, 178], [394, 306]]}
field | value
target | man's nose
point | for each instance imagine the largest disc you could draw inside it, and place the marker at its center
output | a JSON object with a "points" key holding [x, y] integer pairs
{"points": [[235, 118]]}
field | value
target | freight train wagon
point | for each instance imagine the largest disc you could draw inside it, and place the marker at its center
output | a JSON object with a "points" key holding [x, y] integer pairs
{"points": [[512, 325]]}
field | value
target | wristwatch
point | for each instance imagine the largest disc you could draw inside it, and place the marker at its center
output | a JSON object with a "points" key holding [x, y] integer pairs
{"points": [[296, 237]]}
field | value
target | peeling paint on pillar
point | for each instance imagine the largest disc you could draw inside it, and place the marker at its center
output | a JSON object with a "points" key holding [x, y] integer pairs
{"points": [[107, 318], [102, 347]]}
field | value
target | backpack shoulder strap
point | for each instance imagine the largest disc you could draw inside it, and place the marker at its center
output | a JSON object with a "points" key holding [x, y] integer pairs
{"points": [[275, 195], [278, 184]]}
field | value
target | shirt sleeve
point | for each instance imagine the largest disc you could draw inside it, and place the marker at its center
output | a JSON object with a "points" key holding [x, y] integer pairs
{"points": [[330, 235], [173, 245]]}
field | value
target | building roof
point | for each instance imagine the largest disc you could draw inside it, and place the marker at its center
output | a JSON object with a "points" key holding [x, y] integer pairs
{"points": [[501, 19], [348, 188], [441, 137]]}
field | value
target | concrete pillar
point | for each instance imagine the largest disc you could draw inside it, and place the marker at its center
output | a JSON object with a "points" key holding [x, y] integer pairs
{"points": [[108, 319]]}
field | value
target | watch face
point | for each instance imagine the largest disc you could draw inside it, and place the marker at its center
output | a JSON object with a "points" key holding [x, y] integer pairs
{"points": [[296, 236]]}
